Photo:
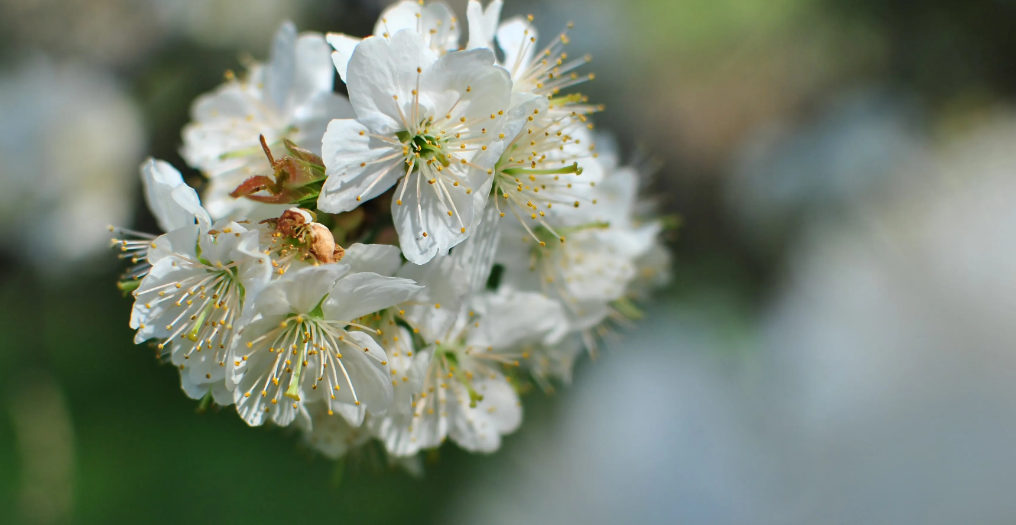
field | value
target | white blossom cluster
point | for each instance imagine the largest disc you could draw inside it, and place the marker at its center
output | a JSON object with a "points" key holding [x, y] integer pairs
{"points": [[512, 240]]}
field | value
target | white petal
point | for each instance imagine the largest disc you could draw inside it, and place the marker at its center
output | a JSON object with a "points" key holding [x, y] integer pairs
{"points": [[479, 429], [254, 268], [408, 369], [182, 241], [349, 152], [221, 395], [224, 122], [482, 23], [447, 80], [173, 203], [517, 39], [440, 27], [556, 360], [150, 321], [397, 17], [314, 69], [330, 435], [281, 68], [437, 306], [513, 318], [370, 379], [381, 69], [193, 389], [313, 116], [476, 255], [159, 178], [359, 294], [218, 249], [434, 21], [404, 433], [187, 199], [422, 221], [299, 291], [344, 46], [381, 259]]}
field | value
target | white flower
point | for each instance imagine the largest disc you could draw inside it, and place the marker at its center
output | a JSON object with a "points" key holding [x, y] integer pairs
{"points": [[300, 346], [290, 97], [200, 283], [434, 126], [551, 162], [465, 394], [544, 71], [71, 139], [435, 22], [594, 264]]}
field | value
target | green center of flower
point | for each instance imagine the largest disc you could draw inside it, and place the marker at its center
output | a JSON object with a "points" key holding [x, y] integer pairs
{"points": [[423, 145]]}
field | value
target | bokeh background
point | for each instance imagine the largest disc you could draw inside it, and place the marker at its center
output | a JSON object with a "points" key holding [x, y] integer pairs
{"points": [[836, 346]]}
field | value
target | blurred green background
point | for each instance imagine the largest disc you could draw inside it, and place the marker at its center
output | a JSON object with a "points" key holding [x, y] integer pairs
{"points": [[834, 347]]}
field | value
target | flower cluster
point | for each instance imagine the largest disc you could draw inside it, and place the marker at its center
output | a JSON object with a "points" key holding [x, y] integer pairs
{"points": [[402, 264]]}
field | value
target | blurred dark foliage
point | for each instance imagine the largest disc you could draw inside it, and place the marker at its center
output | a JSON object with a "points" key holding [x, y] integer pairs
{"points": [[942, 48]]}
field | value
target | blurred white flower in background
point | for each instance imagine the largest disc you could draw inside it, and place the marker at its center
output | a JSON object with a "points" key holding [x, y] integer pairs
{"points": [[71, 141], [110, 32]]}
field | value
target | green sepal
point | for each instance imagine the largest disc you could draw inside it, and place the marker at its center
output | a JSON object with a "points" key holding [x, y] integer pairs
{"points": [[128, 286], [205, 402], [318, 311]]}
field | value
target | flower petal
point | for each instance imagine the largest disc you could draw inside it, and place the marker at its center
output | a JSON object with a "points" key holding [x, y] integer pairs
{"points": [[479, 428], [468, 80], [482, 23], [299, 291], [382, 69], [359, 294], [174, 203], [425, 227], [332, 436], [512, 318], [437, 306], [517, 39], [368, 377], [350, 154], [344, 46], [314, 73], [381, 259], [476, 255], [281, 67]]}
